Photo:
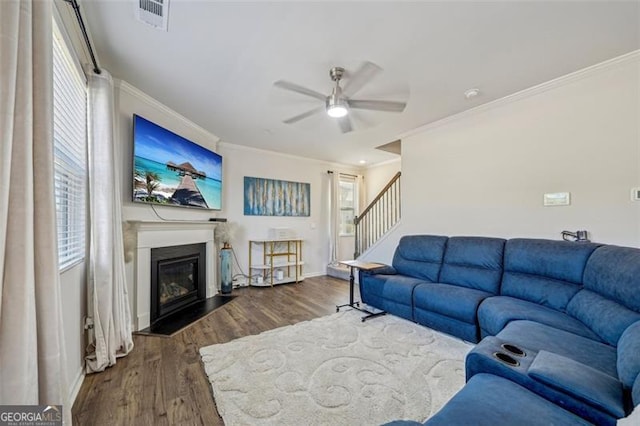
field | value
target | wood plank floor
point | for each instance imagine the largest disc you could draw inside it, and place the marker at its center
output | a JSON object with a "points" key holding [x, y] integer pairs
{"points": [[162, 381]]}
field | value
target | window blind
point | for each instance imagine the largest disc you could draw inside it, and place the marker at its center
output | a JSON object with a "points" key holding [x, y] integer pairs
{"points": [[70, 154]]}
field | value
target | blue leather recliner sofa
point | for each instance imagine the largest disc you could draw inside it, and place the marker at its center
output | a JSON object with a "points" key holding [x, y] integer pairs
{"points": [[557, 323]]}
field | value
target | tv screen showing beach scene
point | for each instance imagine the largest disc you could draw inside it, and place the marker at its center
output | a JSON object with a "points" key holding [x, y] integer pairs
{"points": [[173, 171]]}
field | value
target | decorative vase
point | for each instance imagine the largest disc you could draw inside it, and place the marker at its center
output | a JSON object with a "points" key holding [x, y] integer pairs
{"points": [[226, 279]]}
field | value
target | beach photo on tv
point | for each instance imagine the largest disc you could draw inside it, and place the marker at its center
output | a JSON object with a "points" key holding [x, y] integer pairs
{"points": [[171, 170]]}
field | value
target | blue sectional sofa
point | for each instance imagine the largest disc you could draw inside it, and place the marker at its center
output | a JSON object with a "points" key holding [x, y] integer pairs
{"points": [[558, 323]]}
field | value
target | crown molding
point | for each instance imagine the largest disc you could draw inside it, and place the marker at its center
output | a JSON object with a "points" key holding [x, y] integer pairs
{"points": [[531, 91], [384, 163], [134, 91], [343, 167]]}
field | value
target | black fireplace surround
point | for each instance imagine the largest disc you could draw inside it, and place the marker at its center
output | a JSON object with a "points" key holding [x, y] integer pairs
{"points": [[178, 279]]}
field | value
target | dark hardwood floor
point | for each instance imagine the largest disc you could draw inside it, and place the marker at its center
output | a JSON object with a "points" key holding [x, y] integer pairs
{"points": [[162, 381]]}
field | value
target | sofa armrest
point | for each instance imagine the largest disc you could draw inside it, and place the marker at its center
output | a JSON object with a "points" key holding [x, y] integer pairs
{"points": [[580, 381]]}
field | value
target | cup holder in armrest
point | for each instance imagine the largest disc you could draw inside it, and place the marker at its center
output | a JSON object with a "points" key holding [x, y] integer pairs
{"points": [[513, 349], [506, 359]]}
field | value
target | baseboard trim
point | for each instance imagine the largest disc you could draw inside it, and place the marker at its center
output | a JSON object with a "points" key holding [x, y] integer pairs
{"points": [[77, 384]]}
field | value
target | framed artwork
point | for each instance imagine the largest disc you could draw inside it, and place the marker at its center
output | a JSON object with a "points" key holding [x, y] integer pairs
{"points": [[271, 197]]}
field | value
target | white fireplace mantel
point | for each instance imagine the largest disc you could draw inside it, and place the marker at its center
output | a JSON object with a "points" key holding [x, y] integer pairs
{"points": [[153, 234]]}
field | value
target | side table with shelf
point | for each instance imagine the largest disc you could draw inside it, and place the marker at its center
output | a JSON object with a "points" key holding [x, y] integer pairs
{"points": [[364, 266], [281, 261]]}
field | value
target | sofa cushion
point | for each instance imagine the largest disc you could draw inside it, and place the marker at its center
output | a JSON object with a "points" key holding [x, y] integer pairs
{"points": [[614, 272], [605, 317], [495, 313], [450, 300], [610, 300], [629, 355], [391, 293], [635, 391], [474, 262], [535, 336], [446, 324], [371, 287], [579, 380], [488, 400], [397, 295], [399, 288], [483, 358], [545, 272], [420, 256]]}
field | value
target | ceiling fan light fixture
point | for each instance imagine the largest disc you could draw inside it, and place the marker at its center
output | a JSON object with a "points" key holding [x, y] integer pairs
{"points": [[337, 111], [336, 106]]}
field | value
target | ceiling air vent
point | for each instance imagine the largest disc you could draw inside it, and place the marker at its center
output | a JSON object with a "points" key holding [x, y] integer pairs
{"points": [[153, 12]]}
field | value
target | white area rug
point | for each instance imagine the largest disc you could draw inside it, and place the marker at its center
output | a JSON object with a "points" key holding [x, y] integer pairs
{"points": [[335, 370]]}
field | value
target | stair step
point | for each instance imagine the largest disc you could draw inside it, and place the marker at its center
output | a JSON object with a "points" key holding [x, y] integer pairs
{"points": [[338, 271]]}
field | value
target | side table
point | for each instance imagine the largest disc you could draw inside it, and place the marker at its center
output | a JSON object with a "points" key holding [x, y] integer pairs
{"points": [[365, 266]]}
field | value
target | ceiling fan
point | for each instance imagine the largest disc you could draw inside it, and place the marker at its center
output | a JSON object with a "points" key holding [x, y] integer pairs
{"points": [[339, 103]]}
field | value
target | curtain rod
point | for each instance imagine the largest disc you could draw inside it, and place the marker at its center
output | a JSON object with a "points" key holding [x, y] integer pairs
{"points": [[76, 8], [343, 174]]}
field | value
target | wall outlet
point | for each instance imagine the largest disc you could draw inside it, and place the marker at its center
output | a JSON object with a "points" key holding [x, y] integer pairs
{"points": [[557, 199]]}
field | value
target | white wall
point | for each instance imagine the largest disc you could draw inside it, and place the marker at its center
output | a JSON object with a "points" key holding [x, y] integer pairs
{"points": [[73, 290], [238, 162], [485, 172], [377, 176], [130, 100]]}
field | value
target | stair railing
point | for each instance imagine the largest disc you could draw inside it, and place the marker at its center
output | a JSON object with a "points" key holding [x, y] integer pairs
{"points": [[378, 217]]}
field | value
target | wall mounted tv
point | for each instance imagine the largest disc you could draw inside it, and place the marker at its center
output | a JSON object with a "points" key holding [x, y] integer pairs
{"points": [[173, 171]]}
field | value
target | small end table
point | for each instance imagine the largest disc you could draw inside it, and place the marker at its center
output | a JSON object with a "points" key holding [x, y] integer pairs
{"points": [[365, 266]]}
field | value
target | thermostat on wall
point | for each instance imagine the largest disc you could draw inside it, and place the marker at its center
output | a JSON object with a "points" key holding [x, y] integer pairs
{"points": [[557, 199]]}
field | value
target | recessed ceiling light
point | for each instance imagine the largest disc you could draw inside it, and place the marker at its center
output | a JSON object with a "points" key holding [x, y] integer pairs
{"points": [[471, 93], [363, 161]]}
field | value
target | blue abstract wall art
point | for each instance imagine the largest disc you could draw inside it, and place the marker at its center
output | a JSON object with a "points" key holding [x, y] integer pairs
{"points": [[271, 197]]}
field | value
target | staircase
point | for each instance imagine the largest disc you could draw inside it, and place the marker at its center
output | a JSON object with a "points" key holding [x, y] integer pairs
{"points": [[379, 216]]}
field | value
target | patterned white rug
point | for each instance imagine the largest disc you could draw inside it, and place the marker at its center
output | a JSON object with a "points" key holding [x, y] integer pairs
{"points": [[335, 370]]}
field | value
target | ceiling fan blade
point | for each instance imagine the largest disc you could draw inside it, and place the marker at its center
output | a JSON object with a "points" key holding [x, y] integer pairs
{"points": [[389, 106], [299, 89], [345, 124], [303, 115], [366, 72]]}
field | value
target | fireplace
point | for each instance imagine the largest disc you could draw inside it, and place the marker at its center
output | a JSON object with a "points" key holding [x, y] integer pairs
{"points": [[178, 278]]}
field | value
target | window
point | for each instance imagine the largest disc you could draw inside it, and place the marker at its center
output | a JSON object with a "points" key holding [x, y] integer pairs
{"points": [[70, 152], [348, 204]]}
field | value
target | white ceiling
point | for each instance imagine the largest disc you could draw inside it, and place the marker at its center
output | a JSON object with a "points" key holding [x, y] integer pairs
{"points": [[217, 63]]}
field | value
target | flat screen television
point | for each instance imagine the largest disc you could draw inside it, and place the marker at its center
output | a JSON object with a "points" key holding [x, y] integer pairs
{"points": [[173, 171]]}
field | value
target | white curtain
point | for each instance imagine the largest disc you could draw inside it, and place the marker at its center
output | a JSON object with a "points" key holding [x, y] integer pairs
{"points": [[32, 355], [334, 217], [361, 190], [108, 301]]}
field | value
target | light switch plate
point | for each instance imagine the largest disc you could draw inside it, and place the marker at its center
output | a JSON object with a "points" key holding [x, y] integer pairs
{"points": [[635, 194], [557, 199]]}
